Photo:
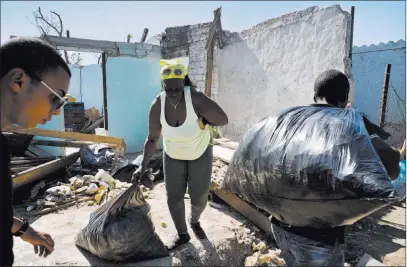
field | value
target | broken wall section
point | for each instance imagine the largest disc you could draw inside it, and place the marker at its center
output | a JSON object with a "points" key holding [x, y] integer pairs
{"points": [[272, 66]]}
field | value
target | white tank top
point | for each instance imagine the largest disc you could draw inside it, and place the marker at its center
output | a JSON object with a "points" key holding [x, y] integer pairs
{"points": [[187, 141]]}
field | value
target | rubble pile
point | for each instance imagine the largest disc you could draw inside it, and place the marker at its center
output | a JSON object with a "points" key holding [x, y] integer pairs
{"points": [[219, 169], [86, 189]]}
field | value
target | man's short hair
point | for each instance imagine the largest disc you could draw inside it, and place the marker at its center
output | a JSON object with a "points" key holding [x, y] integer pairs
{"points": [[33, 55], [332, 85]]}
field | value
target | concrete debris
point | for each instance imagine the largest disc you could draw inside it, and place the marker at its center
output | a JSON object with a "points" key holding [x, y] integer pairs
{"points": [[99, 188], [259, 247], [59, 190], [88, 179], [92, 189], [271, 258], [218, 172], [82, 189], [103, 176]]}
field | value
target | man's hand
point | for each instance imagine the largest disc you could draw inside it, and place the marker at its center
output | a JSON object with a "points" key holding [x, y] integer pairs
{"points": [[42, 242]]}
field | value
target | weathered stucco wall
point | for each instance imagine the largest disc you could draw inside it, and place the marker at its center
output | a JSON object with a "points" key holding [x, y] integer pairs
{"points": [[273, 65], [368, 66], [269, 67]]}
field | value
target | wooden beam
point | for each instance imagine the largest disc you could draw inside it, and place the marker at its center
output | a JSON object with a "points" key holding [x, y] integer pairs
{"points": [[210, 47], [118, 142], [231, 145], [222, 153], [57, 143], [42, 170], [144, 36], [245, 209], [104, 84]]}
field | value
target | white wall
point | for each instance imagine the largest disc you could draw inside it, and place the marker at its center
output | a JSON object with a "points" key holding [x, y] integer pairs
{"points": [[273, 65]]}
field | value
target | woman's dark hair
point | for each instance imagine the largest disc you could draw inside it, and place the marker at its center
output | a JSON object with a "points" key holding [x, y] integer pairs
{"points": [[188, 82], [33, 55]]}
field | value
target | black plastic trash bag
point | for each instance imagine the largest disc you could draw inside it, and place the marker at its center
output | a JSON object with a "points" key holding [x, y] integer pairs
{"points": [[121, 230], [125, 173], [311, 166], [96, 156]]}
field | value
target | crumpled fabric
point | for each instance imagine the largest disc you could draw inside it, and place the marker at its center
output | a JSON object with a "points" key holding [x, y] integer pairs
{"points": [[96, 156], [311, 166]]}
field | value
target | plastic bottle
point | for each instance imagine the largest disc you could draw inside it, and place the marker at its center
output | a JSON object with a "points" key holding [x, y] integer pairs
{"points": [[400, 182]]}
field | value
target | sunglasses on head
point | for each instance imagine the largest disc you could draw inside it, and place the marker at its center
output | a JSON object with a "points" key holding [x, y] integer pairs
{"points": [[177, 72], [58, 103]]}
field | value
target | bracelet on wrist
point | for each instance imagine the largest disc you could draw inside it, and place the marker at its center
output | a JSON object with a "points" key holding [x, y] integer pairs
{"points": [[23, 228]]}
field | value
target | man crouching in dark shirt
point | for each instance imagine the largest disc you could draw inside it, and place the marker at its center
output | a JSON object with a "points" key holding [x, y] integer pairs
{"points": [[34, 80], [307, 246]]}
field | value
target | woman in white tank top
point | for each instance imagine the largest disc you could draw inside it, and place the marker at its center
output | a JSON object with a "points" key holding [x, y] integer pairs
{"points": [[183, 117]]}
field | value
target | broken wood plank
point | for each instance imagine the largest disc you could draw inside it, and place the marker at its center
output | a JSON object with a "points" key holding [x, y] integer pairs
{"points": [[19, 169], [231, 145], [42, 170], [65, 205], [30, 161], [35, 151], [245, 209], [118, 142], [223, 153], [93, 126], [58, 143]]}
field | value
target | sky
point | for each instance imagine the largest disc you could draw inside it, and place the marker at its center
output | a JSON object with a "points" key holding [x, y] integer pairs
{"points": [[375, 21]]}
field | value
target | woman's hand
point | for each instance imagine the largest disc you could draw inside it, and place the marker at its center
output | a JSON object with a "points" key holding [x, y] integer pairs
{"points": [[42, 242], [137, 175]]}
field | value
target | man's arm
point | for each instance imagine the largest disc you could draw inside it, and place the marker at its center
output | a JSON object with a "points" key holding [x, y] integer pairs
{"points": [[154, 132], [42, 242], [208, 109]]}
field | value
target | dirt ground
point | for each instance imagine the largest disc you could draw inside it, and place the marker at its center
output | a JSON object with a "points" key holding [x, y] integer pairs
{"points": [[230, 236]]}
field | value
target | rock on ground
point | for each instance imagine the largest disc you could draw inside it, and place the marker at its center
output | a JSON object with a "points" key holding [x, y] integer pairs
{"points": [[228, 244]]}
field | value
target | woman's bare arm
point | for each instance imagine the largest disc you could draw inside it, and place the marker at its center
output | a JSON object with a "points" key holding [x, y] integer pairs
{"points": [[154, 132], [208, 109]]}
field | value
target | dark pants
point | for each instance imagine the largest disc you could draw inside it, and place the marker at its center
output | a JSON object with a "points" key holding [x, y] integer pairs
{"points": [[301, 251], [196, 174]]}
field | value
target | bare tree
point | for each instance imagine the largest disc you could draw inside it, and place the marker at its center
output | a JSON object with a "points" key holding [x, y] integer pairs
{"points": [[53, 23]]}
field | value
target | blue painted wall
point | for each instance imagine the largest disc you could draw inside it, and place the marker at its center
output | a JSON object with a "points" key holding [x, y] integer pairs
{"points": [[132, 85], [368, 66], [56, 123], [92, 86]]}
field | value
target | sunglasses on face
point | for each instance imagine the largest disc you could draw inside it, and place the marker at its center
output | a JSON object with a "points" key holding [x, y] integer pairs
{"points": [[57, 103], [177, 72]]}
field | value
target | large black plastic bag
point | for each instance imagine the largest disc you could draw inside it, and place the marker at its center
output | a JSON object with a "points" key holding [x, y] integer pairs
{"points": [[311, 166], [121, 230]]}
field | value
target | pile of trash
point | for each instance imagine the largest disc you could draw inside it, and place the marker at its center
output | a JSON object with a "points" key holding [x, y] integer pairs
{"points": [[264, 256], [219, 169], [89, 189]]}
